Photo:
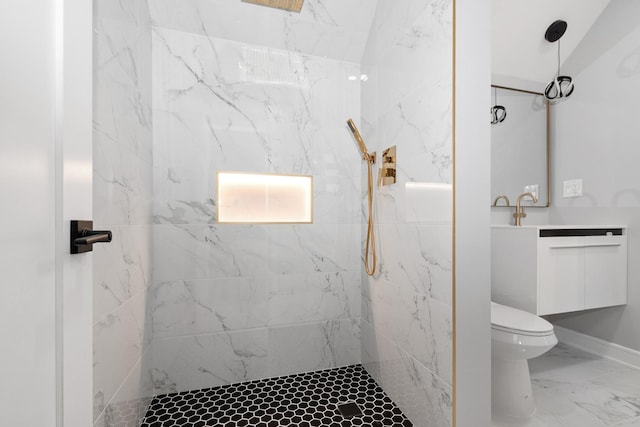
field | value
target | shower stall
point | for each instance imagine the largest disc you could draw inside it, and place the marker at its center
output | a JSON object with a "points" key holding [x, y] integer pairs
{"points": [[186, 89]]}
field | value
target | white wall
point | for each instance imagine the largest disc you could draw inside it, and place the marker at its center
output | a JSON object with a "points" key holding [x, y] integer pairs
{"points": [[27, 226], [472, 217], [74, 193], [45, 180], [596, 139]]}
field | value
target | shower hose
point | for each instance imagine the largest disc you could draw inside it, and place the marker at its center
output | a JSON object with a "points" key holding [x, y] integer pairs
{"points": [[370, 267]]}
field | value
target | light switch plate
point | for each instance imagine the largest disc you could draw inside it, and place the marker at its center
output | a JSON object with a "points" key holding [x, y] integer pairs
{"points": [[533, 189], [572, 188]]}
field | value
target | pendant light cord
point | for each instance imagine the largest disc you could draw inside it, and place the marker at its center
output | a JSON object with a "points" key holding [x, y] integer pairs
{"points": [[557, 75]]}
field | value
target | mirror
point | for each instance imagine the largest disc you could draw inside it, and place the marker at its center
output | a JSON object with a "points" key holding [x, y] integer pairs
{"points": [[519, 146]]}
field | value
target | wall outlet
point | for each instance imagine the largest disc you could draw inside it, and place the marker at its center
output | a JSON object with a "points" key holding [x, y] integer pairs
{"points": [[572, 188], [533, 189]]}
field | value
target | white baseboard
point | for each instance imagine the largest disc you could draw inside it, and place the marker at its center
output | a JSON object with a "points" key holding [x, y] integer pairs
{"points": [[598, 347]]}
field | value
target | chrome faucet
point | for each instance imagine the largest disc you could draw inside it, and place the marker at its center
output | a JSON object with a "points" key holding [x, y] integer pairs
{"points": [[520, 213]]}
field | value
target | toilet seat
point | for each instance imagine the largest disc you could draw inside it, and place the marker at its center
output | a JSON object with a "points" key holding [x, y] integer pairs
{"points": [[513, 320]]}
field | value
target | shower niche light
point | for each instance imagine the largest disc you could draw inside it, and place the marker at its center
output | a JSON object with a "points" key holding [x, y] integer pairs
{"points": [[252, 198]]}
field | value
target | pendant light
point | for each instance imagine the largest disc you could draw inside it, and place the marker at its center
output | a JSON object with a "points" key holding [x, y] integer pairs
{"points": [[561, 86], [498, 112]]}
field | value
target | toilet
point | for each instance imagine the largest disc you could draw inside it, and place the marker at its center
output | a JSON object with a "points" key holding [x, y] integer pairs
{"points": [[516, 336]]}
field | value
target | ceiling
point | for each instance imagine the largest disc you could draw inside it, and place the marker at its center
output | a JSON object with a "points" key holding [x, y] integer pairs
{"points": [[519, 50]]}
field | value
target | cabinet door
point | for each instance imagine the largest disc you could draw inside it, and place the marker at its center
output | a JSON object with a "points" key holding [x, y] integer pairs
{"points": [[561, 274], [605, 271]]}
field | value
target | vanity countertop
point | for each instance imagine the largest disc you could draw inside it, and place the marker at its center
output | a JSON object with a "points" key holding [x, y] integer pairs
{"points": [[562, 227]]}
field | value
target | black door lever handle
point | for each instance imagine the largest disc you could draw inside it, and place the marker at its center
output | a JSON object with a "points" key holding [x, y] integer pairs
{"points": [[83, 236], [89, 237]]}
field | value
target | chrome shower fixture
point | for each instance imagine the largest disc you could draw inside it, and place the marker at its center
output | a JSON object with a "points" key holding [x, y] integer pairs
{"points": [[290, 5], [561, 86]]}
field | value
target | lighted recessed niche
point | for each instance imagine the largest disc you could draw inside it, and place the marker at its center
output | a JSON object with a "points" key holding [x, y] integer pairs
{"points": [[264, 198]]}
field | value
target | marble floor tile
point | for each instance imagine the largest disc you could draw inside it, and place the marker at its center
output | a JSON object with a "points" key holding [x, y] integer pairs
{"points": [[578, 389]]}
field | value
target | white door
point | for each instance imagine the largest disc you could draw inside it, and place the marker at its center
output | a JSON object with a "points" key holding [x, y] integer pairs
{"points": [[45, 180]]}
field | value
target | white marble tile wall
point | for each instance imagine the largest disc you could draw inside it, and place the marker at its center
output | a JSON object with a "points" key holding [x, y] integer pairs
{"points": [[239, 302], [407, 307], [193, 362], [122, 187], [328, 28]]}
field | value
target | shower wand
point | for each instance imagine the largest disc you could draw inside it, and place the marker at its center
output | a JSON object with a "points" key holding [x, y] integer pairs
{"points": [[363, 148]]}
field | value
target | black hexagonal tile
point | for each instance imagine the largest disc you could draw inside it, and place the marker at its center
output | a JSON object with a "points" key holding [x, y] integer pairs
{"points": [[301, 400]]}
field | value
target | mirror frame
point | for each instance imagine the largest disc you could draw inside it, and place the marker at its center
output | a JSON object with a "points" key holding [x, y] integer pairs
{"points": [[548, 135]]}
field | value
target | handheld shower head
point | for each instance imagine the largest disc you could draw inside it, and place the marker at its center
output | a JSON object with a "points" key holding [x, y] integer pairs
{"points": [[357, 136]]}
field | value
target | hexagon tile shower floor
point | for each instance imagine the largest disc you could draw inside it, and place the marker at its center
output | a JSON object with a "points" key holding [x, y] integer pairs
{"points": [[340, 397]]}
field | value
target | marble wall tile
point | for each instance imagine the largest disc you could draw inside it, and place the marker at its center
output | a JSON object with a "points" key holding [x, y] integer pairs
{"points": [[122, 182], [313, 346], [189, 152], [191, 252], [419, 258], [309, 297], [127, 12], [429, 389], [336, 199], [324, 27], [122, 268], [424, 397], [131, 401], [122, 124], [313, 247], [122, 191], [193, 307], [428, 203], [424, 330], [416, 323], [211, 116], [420, 124], [193, 71], [227, 103], [407, 308], [428, 336], [201, 361], [118, 344], [421, 52], [100, 422]]}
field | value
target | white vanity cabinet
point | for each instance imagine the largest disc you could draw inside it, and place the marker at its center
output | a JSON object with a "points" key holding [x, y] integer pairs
{"points": [[558, 269]]}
